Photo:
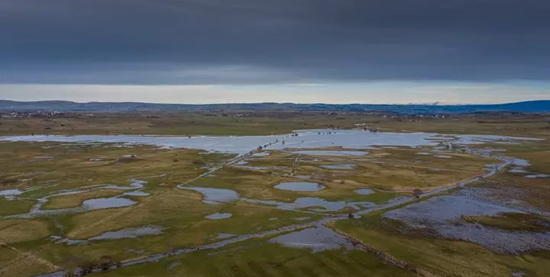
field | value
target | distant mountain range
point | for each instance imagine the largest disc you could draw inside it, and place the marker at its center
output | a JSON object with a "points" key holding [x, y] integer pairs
{"points": [[64, 106]]}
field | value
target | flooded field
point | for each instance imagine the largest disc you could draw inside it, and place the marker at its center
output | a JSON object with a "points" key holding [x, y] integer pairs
{"points": [[448, 217], [212, 195], [316, 239], [169, 197], [304, 139], [300, 186]]}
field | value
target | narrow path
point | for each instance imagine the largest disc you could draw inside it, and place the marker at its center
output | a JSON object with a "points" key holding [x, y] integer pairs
{"points": [[31, 255]]}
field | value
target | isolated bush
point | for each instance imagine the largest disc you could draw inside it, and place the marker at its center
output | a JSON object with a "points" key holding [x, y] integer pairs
{"points": [[198, 162], [417, 193]]}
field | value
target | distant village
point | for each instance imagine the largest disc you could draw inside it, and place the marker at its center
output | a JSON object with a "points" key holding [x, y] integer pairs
{"points": [[244, 114], [37, 114]]}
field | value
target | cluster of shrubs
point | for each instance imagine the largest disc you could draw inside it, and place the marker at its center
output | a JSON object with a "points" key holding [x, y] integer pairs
{"points": [[103, 264]]}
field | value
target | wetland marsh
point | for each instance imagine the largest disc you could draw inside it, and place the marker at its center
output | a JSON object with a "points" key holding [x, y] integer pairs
{"points": [[314, 202]]}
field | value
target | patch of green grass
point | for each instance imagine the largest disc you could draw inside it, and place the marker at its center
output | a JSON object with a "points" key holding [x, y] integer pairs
{"points": [[379, 197], [7, 255], [11, 207], [22, 230]]}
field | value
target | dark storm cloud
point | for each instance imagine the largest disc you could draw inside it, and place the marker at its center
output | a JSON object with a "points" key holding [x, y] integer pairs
{"points": [[252, 41]]}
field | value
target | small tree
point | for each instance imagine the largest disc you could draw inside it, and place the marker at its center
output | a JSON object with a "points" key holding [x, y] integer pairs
{"points": [[417, 193], [105, 262], [87, 268]]}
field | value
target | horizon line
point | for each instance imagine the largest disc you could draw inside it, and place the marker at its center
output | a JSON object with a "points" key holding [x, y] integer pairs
{"points": [[434, 103]]}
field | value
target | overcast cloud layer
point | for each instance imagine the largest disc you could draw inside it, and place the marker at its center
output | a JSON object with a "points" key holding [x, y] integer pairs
{"points": [[272, 41]]}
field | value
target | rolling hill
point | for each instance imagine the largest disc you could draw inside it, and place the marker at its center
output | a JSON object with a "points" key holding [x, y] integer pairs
{"points": [[536, 106]]}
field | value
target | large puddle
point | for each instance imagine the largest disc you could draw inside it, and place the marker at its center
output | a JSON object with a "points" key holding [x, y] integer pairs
{"points": [[364, 191], [212, 195], [300, 186], [130, 233], [261, 154], [219, 216], [106, 203], [317, 239], [138, 193], [10, 192], [537, 176], [339, 166]]}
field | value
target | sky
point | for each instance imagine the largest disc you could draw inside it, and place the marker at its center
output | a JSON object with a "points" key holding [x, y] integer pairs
{"points": [[303, 51]]}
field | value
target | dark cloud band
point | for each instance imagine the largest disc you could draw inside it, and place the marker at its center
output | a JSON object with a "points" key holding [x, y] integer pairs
{"points": [[169, 41]]}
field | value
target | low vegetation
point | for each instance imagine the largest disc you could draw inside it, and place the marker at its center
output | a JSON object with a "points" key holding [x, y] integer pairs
{"points": [[40, 244]]}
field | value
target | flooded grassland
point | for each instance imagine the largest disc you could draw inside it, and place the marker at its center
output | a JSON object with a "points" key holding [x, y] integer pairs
{"points": [[177, 205], [496, 226]]}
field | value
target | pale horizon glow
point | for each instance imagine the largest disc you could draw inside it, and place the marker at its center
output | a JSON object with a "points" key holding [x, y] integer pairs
{"points": [[382, 92]]}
